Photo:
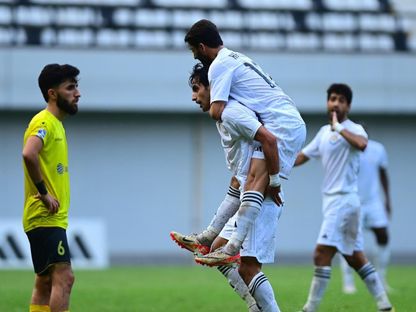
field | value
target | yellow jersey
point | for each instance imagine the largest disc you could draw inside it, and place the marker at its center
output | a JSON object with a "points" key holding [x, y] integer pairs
{"points": [[53, 161]]}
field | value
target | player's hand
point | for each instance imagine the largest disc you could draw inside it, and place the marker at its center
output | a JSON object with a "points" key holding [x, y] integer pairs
{"points": [[334, 120], [274, 193], [51, 203]]}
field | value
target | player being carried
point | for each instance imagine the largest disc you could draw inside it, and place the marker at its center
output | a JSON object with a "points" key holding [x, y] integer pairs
{"points": [[233, 75]]}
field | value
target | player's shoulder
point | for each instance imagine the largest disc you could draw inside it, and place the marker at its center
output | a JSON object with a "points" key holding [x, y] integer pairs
{"points": [[375, 145], [354, 127], [236, 107], [41, 117]]}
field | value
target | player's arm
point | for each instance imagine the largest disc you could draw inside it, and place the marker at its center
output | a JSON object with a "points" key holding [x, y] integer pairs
{"points": [[216, 109], [301, 159], [30, 155], [355, 140], [385, 184], [270, 150]]}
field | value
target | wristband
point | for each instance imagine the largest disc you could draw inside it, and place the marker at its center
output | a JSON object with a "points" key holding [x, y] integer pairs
{"points": [[338, 127], [274, 180], [41, 188]]}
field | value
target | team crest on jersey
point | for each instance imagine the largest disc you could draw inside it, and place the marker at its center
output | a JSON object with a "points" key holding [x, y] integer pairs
{"points": [[41, 133], [333, 138]]}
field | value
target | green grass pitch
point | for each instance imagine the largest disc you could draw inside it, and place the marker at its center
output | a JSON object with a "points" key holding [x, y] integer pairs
{"points": [[201, 289]]}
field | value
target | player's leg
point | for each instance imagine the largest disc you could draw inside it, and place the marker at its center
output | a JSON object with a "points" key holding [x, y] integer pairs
{"points": [[230, 272], [259, 248], [59, 267], [322, 260], [62, 281], [348, 284], [378, 222], [38, 239], [338, 232], [250, 208], [371, 279], [41, 294], [201, 243], [382, 256], [258, 284]]}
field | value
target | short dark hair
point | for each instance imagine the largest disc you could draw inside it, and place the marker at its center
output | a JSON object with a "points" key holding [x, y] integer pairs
{"points": [[52, 75], [204, 31], [199, 73], [340, 88]]}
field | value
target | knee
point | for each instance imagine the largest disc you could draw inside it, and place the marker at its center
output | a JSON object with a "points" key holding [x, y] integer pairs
{"points": [[70, 279]]}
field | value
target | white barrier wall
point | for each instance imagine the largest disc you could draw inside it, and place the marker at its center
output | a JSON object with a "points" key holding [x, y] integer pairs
{"points": [[156, 81], [147, 174], [87, 239]]}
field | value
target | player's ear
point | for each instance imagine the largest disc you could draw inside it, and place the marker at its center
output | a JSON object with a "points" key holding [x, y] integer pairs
{"points": [[52, 94]]}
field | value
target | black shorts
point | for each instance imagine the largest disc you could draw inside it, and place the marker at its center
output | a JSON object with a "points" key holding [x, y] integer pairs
{"points": [[48, 246]]}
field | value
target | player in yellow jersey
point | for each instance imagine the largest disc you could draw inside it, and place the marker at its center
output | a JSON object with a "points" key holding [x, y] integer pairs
{"points": [[45, 215]]}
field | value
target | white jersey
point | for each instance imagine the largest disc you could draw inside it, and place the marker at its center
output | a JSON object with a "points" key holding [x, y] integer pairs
{"points": [[234, 76], [341, 161], [237, 130], [371, 160]]}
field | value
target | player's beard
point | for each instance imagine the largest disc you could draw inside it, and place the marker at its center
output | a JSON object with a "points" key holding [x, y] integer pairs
{"points": [[66, 106]]}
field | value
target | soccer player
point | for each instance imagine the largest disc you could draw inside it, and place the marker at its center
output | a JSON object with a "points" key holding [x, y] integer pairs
{"points": [[238, 129], [339, 145], [46, 204], [233, 75], [375, 208]]}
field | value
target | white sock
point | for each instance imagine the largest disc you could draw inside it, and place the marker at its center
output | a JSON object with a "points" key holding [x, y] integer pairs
{"points": [[237, 283], [347, 273], [382, 261], [249, 210], [319, 283], [225, 211], [262, 291], [374, 285]]}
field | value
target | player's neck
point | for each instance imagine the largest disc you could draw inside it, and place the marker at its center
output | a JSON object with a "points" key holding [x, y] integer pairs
{"points": [[56, 111]]}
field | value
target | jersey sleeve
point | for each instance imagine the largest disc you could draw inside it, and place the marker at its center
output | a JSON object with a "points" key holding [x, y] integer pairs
{"points": [[359, 130], [312, 149], [238, 119], [220, 78], [383, 157], [40, 129]]}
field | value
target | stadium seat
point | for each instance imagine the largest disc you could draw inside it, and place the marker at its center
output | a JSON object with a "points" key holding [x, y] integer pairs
{"points": [[5, 15], [227, 19], [339, 22], [276, 4], [152, 18], [266, 41], [114, 38], [184, 18], [92, 2], [352, 5], [303, 42], [339, 42], [74, 37], [73, 16], [268, 20], [381, 22], [151, 39], [370, 42], [36, 16], [192, 3]]}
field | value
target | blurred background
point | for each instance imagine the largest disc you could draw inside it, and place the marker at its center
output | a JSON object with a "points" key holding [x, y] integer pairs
{"points": [[144, 160]]}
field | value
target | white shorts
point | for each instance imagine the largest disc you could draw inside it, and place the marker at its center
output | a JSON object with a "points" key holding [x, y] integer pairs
{"points": [[289, 142], [373, 214], [341, 225], [261, 238]]}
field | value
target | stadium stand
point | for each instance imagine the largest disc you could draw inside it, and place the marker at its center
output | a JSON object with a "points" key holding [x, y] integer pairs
{"points": [[294, 25]]}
